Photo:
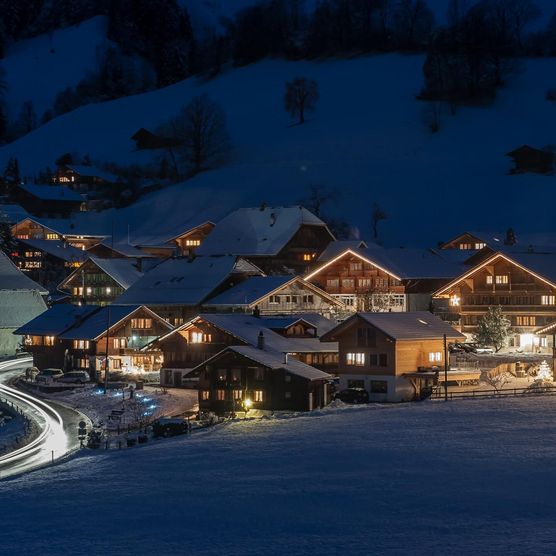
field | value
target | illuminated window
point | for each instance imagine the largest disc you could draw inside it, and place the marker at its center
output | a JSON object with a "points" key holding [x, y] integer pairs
{"points": [[141, 323], [78, 292], [50, 235], [548, 299], [49, 340], [355, 359], [364, 282], [221, 395], [22, 236], [119, 343], [308, 256], [465, 246], [489, 279], [238, 394], [199, 337], [192, 242], [502, 279], [205, 395], [526, 321], [81, 344], [544, 341], [435, 357], [32, 264], [108, 290], [479, 246], [258, 396], [89, 291]]}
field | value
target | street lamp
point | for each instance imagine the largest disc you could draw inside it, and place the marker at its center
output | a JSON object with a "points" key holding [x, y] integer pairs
{"points": [[247, 404]]}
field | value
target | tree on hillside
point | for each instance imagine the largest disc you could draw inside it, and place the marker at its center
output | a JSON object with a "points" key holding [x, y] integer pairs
{"points": [[377, 215], [493, 329], [301, 96], [201, 130], [27, 119], [317, 195]]}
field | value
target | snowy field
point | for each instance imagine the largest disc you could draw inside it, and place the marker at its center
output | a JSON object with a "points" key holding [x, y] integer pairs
{"points": [[431, 478]]}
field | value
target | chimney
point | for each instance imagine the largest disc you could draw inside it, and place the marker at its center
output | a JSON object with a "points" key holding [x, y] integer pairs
{"points": [[260, 340], [256, 311]]}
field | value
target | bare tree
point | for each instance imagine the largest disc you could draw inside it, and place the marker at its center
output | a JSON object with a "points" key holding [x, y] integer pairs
{"points": [[301, 96], [377, 216], [317, 196], [497, 380], [201, 129]]}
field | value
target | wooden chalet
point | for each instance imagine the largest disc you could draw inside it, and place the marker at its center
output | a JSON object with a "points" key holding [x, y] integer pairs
{"points": [[145, 139], [78, 337], [100, 281], [178, 287], [277, 239], [84, 178], [522, 284], [189, 241], [48, 201], [530, 159], [246, 379], [394, 356], [377, 279], [46, 261], [33, 228], [276, 295], [200, 338]]}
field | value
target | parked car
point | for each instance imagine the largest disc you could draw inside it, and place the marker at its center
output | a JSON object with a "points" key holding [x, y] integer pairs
{"points": [[75, 377], [352, 395], [49, 375], [170, 427]]}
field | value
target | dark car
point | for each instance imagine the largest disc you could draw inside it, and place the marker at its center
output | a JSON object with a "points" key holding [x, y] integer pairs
{"points": [[352, 395], [170, 427]]}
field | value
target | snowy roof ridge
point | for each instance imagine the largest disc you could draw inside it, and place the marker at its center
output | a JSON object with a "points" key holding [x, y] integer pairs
{"points": [[122, 271], [47, 192]]}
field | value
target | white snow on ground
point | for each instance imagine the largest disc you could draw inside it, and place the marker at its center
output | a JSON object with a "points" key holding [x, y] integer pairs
{"points": [[431, 478], [367, 139], [38, 69]]}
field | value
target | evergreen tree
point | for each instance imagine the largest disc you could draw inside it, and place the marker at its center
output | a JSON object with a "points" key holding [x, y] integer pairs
{"points": [[493, 329]]}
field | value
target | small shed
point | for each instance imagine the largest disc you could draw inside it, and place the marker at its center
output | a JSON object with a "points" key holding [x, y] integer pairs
{"points": [[530, 159]]}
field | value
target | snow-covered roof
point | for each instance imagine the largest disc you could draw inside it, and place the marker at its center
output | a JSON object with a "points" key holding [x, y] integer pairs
{"points": [[183, 281], [92, 172], [98, 322], [249, 291], [55, 320], [275, 360], [257, 231], [57, 248], [11, 278], [125, 249], [415, 325], [52, 192], [246, 328], [19, 307], [122, 271], [335, 248], [12, 213]]}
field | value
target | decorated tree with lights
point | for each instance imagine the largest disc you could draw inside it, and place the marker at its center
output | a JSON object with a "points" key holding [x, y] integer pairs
{"points": [[493, 329], [544, 372]]}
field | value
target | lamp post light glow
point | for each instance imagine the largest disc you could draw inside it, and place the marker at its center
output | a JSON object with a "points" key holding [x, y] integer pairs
{"points": [[248, 404]]}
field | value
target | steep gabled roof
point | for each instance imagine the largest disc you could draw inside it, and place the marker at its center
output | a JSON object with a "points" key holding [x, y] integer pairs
{"points": [[540, 265], [272, 359], [335, 248], [122, 271], [52, 192], [57, 248], [261, 231], [56, 320], [401, 264], [255, 289], [183, 281], [19, 307], [12, 213], [11, 278], [97, 323], [416, 325]]}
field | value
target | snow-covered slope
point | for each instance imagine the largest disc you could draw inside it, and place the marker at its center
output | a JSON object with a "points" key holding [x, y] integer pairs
{"points": [[38, 69], [422, 479], [367, 139]]}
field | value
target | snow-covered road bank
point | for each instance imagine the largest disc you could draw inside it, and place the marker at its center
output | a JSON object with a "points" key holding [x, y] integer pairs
{"points": [[471, 477]]}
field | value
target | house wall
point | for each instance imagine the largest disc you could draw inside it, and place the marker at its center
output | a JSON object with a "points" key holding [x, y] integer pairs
{"points": [[92, 286]]}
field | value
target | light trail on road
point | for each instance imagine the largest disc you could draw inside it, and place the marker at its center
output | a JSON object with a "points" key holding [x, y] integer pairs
{"points": [[52, 441]]}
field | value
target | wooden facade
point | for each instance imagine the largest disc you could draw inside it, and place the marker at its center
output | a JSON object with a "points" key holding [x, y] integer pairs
{"points": [[527, 299], [231, 383], [188, 242], [372, 359], [465, 242]]}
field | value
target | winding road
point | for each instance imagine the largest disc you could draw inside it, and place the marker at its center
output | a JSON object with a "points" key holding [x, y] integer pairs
{"points": [[57, 425]]}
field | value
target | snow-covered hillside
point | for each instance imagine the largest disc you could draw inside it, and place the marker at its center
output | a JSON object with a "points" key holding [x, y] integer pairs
{"points": [[367, 139], [38, 69], [422, 479]]}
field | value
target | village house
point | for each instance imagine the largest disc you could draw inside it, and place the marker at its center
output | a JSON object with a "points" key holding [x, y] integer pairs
{"points": [[530, 159], [259, 380], [46, 261], [203, 336], [377, 279], [394, 356], [84, 178], [145, 139], [79, 337], [523, 284], [276, 295], [177, 287], [279, 240], [48, 201], [100, 281], [21, 299]]}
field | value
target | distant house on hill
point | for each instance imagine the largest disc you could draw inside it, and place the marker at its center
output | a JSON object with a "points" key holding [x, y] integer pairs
{"points": [[530, 159], [145, 139], [50, 201], [84, 178]]}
